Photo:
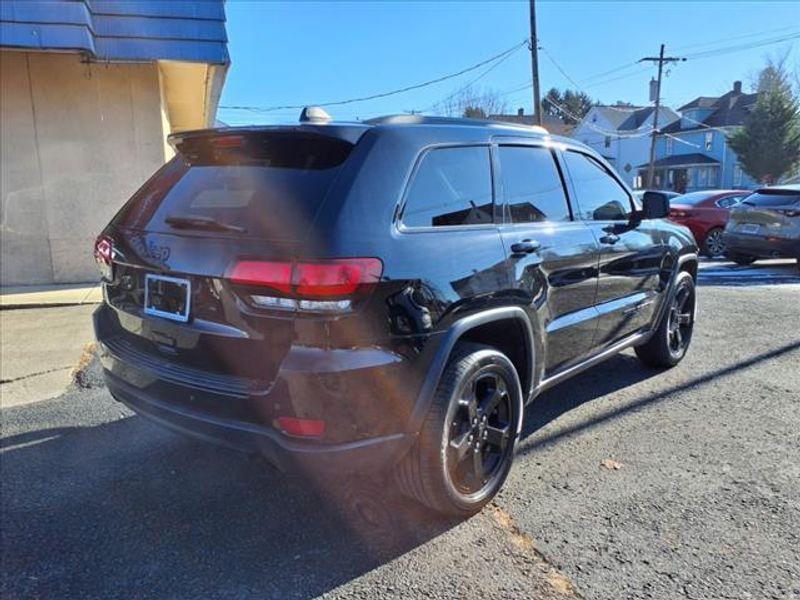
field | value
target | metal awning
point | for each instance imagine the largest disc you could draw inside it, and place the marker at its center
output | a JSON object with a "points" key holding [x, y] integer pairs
{"points": [[683, 160]]}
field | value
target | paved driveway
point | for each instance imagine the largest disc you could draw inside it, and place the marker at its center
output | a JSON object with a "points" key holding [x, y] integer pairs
{"points": [[630, 483]]}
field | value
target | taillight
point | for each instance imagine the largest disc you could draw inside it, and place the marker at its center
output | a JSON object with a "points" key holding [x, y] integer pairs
{"points": [[679, 214], [301, 427], [104, 257], [325, 285], [789, 212]]}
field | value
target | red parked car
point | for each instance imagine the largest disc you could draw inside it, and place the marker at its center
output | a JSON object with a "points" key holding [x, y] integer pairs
{"points": [[705, 213]]}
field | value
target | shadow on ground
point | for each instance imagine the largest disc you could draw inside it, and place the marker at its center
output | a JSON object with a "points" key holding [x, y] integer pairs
{"points": [[125, 509]]}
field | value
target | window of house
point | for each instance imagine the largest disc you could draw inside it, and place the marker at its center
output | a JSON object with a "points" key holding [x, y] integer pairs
{"points": [[709, 140], [452, 186], [670, 146], [607, 141], [702, 177], [532, 186], [600, 196]]}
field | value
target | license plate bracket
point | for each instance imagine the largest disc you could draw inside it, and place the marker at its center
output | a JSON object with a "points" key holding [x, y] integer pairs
{"points": [[167, 297]]}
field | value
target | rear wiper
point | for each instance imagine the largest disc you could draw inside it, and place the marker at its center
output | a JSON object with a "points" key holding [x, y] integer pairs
{"points": [[198, 222]]}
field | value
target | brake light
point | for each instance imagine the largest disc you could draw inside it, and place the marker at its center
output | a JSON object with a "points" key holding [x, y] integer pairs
{"points": [[274, 275], [228, 141], [325, 285], [301, 427], [679, 214]]}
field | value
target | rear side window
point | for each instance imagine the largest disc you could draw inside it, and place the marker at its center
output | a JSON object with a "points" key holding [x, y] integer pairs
{"points": [[776, 198], [532, 186], [600, 196], [452, 186], [270, 187]]}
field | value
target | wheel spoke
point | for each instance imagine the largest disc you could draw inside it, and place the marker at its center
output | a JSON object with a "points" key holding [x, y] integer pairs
{"points": [[460, 446], [471, 404], [498, 436], [684, 318], [678, 339], [477, 467], [488, 405]]}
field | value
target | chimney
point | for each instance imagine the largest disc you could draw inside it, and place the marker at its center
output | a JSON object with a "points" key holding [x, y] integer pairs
{"points": [[737, 87], [520, 112]]}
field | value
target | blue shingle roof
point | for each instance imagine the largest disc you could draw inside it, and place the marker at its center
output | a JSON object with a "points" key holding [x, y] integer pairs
{"points": [[119, 30]]}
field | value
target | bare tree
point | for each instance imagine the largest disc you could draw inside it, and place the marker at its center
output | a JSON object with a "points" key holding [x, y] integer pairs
{"points": [[471, 102]]}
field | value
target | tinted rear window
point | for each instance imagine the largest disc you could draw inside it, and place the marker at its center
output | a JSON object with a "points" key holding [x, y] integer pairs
{"points": [[269, 187], [775, 198]]}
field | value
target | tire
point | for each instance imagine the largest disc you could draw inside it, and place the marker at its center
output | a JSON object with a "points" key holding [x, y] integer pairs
{"points": [[670, 342], [742, 259], [714, 243], [440, 469]]}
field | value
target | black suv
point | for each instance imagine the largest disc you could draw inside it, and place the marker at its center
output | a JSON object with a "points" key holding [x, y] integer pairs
{"points": [[387, 295]]}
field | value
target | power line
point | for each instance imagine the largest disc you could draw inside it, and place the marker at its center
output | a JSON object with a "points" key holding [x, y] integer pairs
{"points": [[471, 82], [740, 47], [409, 88], [736, 37]]}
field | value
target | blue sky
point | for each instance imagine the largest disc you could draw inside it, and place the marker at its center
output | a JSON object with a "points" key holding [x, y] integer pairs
{"points": [[287, 53]]}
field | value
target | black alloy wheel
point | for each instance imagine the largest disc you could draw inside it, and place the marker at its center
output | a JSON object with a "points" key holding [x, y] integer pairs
{"points": [[680, 320], [480, 432], [670, 341]]}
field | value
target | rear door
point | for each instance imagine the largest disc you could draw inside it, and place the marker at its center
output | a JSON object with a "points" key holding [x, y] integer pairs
{"points": [[551, 257], [629, 282]]}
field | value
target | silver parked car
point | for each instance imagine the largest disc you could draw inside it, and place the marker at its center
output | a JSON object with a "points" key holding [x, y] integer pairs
{"points": [[766, 224]]}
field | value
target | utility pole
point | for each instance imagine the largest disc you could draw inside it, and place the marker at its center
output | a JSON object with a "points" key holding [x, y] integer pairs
{"points": [[660, 59], [534, 45]]}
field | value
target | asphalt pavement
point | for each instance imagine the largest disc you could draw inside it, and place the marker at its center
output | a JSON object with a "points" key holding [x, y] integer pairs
{"points": [[629, 483]]}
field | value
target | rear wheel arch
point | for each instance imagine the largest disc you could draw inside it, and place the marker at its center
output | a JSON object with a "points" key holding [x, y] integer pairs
{"points": [[501, 328]]}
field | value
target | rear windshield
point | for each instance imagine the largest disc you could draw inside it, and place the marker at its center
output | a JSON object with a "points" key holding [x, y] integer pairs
{"points": [[775, 198], [268, 188], [693, 198]]}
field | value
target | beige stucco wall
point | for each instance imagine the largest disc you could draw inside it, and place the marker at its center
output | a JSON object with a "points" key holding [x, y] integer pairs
{"points": [[77, 140]]}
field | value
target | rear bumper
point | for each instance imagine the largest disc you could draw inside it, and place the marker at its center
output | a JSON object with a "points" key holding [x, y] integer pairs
{"points": [[366, 455], [761, 247]]}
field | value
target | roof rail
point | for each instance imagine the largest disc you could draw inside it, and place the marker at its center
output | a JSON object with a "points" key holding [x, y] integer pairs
{"points": [[427, 120]]}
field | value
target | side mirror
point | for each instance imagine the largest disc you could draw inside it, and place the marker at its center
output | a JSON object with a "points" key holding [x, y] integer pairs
{"points": [[655, 205]]}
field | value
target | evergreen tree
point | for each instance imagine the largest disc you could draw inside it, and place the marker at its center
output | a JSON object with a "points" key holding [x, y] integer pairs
{"points": [[768, 146]]}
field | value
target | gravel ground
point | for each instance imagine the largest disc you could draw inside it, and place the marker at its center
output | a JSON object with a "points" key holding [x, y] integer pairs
{"points": [[629, 483]]}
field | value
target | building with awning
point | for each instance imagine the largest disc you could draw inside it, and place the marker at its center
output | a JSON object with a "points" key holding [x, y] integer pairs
{"points": [[697, 170], [90, 90], [692, 153]]}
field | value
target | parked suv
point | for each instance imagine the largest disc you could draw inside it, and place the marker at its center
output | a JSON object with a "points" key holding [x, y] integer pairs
{"points": [[388, 295], [765, 224]]}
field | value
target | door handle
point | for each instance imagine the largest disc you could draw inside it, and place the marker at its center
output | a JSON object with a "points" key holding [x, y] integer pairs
{"points": [[609, 238], [525, 246]]}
